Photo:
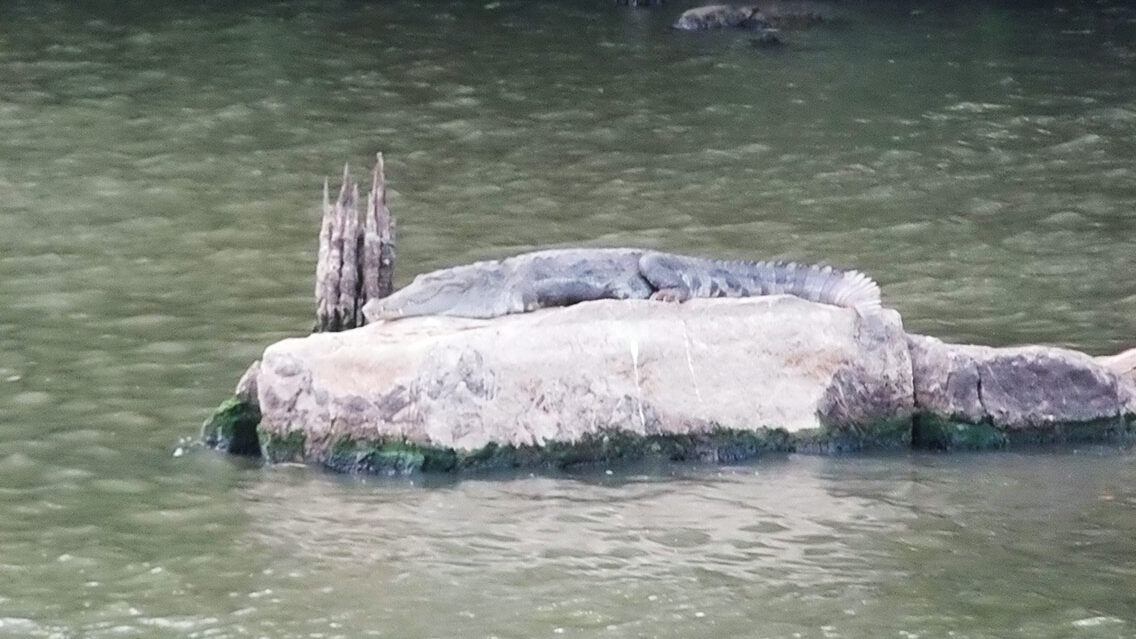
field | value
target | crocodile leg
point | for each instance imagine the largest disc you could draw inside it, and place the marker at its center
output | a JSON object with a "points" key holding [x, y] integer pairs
{"points": [[564, 291], [674, 280]]}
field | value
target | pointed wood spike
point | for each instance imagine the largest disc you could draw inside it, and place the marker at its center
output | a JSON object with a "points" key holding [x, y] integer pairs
{"points": [[371, 216], [381, 170], [377, 177], [325, 270], [343, 185], [384, 220], [349, 265]]}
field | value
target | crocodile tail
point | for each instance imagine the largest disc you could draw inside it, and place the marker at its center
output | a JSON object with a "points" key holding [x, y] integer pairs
{"points": [[849, 289], [700, 277], [862, 292]]}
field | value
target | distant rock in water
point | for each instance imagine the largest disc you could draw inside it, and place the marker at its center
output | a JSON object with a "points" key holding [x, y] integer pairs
{"points": [[791, 16], [767, 39], [639, 3], [719, 16]]}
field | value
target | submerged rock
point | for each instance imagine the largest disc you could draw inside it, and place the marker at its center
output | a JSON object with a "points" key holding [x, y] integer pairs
{"points": [[767, 39], [792, 15], [716, 379], [718, 16]]}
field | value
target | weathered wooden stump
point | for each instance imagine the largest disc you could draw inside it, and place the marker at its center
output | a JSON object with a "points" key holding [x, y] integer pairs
{"points": [[356, 261]]}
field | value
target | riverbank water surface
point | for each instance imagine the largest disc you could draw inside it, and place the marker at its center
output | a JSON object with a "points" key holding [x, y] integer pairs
{"points": [[160, 168]]}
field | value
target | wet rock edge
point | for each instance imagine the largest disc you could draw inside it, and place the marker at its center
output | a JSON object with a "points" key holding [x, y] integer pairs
{"points": [[234, 428]]}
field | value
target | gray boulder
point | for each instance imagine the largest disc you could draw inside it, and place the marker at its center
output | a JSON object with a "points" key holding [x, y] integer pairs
{"points": [[718, 16], [1032, 390]]}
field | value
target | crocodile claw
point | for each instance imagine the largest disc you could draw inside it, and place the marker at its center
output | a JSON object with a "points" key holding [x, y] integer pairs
{"points": [[670, 295]]}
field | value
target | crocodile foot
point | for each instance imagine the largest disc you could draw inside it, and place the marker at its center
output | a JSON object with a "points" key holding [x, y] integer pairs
{"points": [[671, 295]]}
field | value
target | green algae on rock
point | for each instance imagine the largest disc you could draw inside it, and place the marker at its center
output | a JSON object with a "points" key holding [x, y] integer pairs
{"points": [[937, 432], [279, 448], [394, 457], [232, 427], [885, 433]]}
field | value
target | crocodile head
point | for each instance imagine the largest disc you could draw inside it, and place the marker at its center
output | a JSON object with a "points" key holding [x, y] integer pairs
{"points": [[380, 309], [467, 291], [422, 297]]}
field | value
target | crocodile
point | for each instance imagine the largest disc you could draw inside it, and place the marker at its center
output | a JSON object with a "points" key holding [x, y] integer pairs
{"points": [[561, 277]]}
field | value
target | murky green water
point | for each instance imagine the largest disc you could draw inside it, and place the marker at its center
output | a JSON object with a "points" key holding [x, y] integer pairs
{"points": [[160, 165]]}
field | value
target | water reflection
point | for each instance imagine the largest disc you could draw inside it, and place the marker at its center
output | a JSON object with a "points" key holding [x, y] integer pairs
{"points": [[859, 546]]}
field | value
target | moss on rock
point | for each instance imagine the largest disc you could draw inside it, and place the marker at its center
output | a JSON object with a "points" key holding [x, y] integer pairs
{"points": [[278, 448], [883, 434], [233, 428], [1097, 431], [379, 458], [719, 445], [935, 432], [350, 455]]}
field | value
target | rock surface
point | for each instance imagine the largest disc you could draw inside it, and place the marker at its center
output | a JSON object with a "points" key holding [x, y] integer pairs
{"points": [[246, 386], [1124, 366], [1028, 387], [570, 374]]}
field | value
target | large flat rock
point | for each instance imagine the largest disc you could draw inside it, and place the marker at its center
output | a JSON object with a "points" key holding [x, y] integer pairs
{"points": [[568, 374]]}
